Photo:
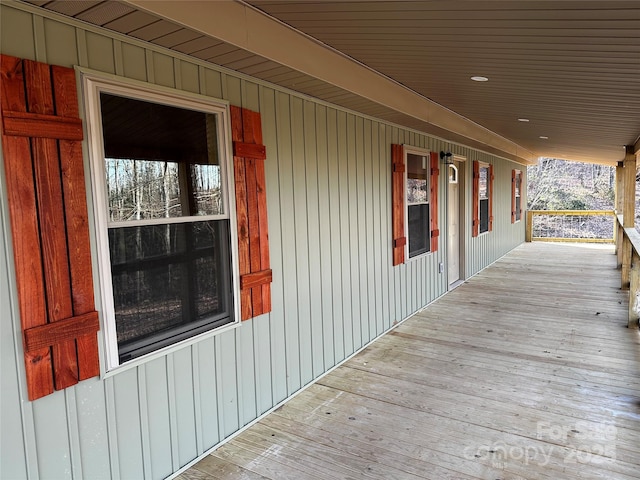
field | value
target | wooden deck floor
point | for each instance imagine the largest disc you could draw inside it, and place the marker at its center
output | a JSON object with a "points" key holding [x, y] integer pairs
{"points": [[525, 371]]}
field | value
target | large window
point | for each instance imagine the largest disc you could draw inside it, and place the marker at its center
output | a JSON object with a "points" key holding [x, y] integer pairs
{"points": [[417, 185], [164, 208]]}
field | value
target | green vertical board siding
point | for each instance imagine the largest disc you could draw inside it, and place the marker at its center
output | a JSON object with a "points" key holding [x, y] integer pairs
{"points": [[157, 412], [63, 51], [335, 226], [361, 238], [288, 242], [275, 366], [163, 70], [92, 429], [227, 388], [245, 371], [184, 391], [328, 182], [352, 215], [50, 422], [342, 210], [189, 76], [368, 268], [314, 279], [324, 273], [134, 62], [127, 425], [100, 52], [384, 229], [301, 240], [17, 25]]}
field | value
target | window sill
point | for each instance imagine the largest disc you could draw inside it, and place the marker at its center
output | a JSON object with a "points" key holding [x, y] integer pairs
{"points": [[418, 257], [163, 352]]}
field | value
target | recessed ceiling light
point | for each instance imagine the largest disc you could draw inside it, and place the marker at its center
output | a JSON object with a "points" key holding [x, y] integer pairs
{"points": [[479, 79], [523, 119], [544, 137]]}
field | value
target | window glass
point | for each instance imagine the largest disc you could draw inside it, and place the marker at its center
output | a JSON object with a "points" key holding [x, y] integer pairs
{"points": [[419, 239], [484, 183], [484, 215], [484, 198], [518, 195], [161, 161], [418, 220], [168, 232]]}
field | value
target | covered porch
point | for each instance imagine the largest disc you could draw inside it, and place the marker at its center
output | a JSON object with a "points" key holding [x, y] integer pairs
{"points": [[527, 370]]}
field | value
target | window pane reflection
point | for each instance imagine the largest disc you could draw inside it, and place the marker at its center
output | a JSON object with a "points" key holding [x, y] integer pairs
{"points": [[169, 279], [162, 162]]}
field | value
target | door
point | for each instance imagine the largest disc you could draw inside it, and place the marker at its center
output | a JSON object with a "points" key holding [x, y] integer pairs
{"points": [[454, 252]]}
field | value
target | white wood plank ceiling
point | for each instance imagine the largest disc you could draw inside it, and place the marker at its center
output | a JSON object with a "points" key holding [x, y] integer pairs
{"points": [[571, 67]]}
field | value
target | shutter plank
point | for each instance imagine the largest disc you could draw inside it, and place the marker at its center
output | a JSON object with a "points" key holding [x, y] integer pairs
{"points": [[247, 150], [54, 253], [254, 279], [76, 216], [47, 126], [435, 175], [51, 217], [244, 263], [265, 261], [397, 210], [254, 231], [64, 330], [252, 134], [475, 225], [23, 216]]}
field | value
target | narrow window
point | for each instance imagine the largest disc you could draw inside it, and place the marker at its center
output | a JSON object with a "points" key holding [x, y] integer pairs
{"points": [[484, 193], [166, 221], [418, 221], [517, 195]]}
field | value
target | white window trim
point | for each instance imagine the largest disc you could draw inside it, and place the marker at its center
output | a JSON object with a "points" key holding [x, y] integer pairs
{"points": [[412, 150], [456, 174], [518, 173], [480, 166], [93, 84]]}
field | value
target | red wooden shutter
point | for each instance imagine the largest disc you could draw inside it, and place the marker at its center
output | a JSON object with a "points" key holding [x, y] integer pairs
{"points": [[41, 135], [435, 172], [491, 178], [397, 197], [249, 155], [513, 196], [475, 225]]}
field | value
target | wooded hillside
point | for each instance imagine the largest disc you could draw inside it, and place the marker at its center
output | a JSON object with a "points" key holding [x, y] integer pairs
{"points": [[560, 185]]}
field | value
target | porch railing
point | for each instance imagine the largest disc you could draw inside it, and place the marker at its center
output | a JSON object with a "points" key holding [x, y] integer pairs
{"points": [[590, 226], [628, 252]]}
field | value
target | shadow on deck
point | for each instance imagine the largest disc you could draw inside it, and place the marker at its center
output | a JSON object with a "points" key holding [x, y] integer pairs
{"points": [[525, 371]]}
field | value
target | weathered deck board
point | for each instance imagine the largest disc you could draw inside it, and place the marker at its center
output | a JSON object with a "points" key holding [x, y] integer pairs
{"points": [[526, 371]]}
